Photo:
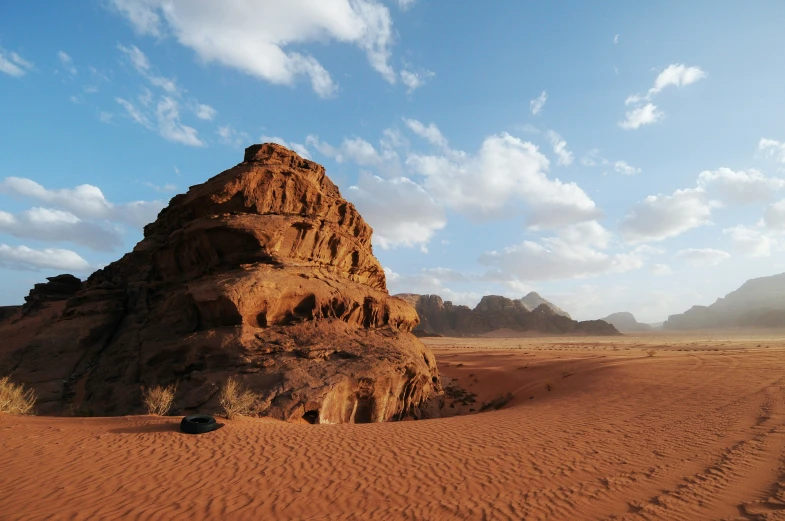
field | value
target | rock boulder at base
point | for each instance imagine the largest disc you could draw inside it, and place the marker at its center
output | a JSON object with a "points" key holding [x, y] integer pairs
{"points": [[264, 273]]}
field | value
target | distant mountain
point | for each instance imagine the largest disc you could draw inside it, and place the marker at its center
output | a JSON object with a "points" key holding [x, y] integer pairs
{"points": [[534, 300], [495, 313], [626, 323], [757, 303]]}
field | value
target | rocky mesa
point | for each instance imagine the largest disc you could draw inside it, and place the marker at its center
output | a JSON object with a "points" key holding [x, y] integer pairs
{"points": [[263, 272], [494, 313]]}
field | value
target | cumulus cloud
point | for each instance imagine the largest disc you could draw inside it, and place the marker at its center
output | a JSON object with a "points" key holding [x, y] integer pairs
{"points": [[405, 4], [385, 159], [749, 241], [28, 259], [701, 257], [46, 224], [557, 258], [538, 103], [84, 201], [772, 148], [563, 156], [256, 41], [678, 75], [505, 168], [400, 211], [637, 117], [659, 217], [623, 167], [742, 187], [13, 64]]}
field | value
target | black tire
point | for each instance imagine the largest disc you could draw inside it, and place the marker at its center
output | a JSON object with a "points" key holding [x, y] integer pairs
{"points": [[198, 424]]}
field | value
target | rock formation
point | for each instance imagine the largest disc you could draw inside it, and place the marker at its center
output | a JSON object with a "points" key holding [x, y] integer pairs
{"points": [[533, 300], [626, 323], [61, 287], [757, 303], [262, 272], [493, 313]]}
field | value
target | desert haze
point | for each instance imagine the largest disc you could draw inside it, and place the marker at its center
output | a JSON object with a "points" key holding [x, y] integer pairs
{"points": [[661, 426]]}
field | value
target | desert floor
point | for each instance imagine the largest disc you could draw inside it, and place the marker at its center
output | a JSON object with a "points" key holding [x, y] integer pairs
{"points": [[595, 428]]}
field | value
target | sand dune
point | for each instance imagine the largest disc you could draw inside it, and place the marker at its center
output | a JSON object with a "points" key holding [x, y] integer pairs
{"points": [[696, 431]]}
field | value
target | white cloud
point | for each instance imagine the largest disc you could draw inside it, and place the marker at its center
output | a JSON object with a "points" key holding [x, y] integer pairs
{"points": [[363, 153], [297, 147], [661, 270], [751, 242], [623, 168], [774, 215], [205, 112], [772, 148], [166, 121], [400, 211], [677, 74], [556, 258], [67, 62], [45, 224], [169, 126], [143, 67], [659, 217], [505, 168], [13, 64], [616, 39], [431, 133], [701, 257], [538, 103], [28, 259], [740, 187], [563, 156], [640, 116], [165, 188], [414, 80], [254, 40], [84, 201], [233, 138], [593, 158]]}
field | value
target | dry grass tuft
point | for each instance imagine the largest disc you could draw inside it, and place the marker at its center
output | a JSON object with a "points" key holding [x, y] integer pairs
{"points": [[236, 400], [651, 352], [15, 399], [158, 400]]}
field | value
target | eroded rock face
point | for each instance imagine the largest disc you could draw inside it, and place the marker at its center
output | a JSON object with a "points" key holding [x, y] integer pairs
{"points": [[264, 272], [495, 312]]}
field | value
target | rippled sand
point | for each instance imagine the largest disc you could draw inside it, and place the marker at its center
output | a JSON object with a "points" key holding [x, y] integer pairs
{"points": [[696, 431]]}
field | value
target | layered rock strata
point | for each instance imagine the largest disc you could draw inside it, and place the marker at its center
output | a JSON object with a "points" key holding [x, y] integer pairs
{"points": [[264, 272]]}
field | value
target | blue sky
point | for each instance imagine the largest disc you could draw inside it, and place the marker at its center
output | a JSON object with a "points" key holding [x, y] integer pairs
{"points": [[618, 158]]}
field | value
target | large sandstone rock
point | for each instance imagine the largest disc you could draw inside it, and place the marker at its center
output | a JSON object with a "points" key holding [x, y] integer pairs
{"points": [[757, 303], [263, 271], [625, 322], [493, 313]]}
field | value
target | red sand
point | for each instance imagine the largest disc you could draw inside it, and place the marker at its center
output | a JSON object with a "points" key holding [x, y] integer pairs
{"points": [[696, 431]]}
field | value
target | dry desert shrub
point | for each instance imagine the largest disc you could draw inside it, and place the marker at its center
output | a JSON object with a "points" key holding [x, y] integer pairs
{"points": [[158, 400], [15, 399], [651, 352], [236, 400]]}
